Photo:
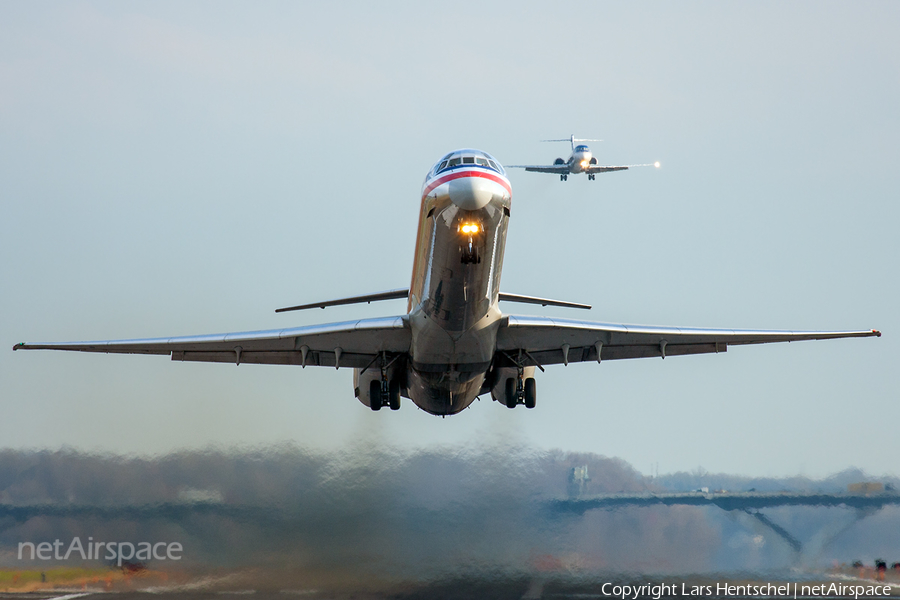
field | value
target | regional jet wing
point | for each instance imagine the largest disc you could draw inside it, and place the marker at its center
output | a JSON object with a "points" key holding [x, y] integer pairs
{"points": [[347, 344], [606, 169], [545, 341], [562, 169], [598, 169]]}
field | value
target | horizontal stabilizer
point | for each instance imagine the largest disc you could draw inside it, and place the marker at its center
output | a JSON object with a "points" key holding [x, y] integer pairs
{"points": [[388, 295], [541, 301], [404, 293]]}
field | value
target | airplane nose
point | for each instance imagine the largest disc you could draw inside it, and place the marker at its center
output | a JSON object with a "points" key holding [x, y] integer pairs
{"points": [[470, 193]]}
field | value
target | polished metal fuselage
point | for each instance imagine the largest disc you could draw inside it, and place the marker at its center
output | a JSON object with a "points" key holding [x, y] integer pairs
{"points": [[453, 304]]}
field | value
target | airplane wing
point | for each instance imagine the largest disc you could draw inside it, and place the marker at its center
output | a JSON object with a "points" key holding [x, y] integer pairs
{"points": [[599, 169], [347, 344], [546, 341], [562, 169]]}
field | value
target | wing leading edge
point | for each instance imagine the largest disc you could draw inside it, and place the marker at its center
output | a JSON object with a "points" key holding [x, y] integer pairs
{"points": [[562, 169], [347, 344], [546, 341]]}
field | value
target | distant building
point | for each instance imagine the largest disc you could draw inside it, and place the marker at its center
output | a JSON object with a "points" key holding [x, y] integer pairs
{"points": [[871, 487], [578, 478]]}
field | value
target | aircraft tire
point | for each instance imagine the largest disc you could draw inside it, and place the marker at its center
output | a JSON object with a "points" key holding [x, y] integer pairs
{"points": [[530, 393], [511, 399], [375, 395], [394, 395]]}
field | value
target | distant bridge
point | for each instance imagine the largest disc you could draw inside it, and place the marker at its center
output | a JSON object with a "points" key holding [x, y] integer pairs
{"points": [[726, 500], [742, 504]]}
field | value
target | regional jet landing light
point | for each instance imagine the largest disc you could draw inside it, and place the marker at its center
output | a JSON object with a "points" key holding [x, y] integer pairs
{"points": [[453, 344]]}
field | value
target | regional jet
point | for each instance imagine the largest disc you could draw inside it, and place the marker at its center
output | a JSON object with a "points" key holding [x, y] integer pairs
{"points": [[454, 343], [582, 160]]}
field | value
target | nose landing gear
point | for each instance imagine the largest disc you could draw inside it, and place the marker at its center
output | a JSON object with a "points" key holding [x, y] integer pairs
{"points": [[470, 255], [521, 391]]}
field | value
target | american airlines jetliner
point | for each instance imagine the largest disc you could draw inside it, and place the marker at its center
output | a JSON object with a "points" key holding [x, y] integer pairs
{"points": [[582, 160], [454, 343]]}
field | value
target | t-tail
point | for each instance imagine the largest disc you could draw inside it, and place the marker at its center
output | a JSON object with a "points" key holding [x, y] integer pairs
{"points": [[573, 140]]}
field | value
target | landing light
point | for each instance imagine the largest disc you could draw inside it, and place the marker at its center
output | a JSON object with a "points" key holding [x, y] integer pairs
{"points": [[656, 164], [470, 228]]}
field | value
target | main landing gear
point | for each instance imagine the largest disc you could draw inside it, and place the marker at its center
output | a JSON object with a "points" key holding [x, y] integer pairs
{"points": [[563, 177], [591, 176], [521, 391], [384, 393]]}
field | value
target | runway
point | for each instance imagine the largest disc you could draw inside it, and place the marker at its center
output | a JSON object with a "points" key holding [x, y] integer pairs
{"points": [[502, 588]]}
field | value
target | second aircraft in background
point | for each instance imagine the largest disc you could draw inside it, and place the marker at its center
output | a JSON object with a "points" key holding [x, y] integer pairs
{"points": [[581, 160]]}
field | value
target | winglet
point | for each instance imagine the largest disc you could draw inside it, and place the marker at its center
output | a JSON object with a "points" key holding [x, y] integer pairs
{"points": [[16, 347], [876, 333]]}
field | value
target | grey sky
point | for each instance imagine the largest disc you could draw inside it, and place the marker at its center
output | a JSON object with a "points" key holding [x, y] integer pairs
{"points": [[171, 168]]}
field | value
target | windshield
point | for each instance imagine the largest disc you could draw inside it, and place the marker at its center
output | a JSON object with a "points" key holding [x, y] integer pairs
{"points": [[467, 158]]}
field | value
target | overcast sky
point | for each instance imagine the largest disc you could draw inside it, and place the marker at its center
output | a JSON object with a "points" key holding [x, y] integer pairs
{"points": [[171, 168]]}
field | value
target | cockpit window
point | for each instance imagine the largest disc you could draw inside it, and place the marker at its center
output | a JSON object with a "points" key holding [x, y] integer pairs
{"points": [[482, 159]]}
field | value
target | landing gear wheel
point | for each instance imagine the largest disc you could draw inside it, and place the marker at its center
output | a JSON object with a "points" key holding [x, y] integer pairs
{"points": [[591, 177], [375, 400], [470, 256], [394, 395], [530, 393], [511, 396]]}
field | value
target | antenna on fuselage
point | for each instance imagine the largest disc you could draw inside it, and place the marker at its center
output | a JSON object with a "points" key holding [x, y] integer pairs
{"points": [[572, 139]]}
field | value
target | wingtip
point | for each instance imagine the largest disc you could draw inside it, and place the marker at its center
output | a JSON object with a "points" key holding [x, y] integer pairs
{"points": [[876, 333], [17, 346]]}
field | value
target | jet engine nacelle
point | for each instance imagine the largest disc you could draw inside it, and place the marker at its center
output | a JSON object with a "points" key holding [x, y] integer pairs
{"points": [[559, 161]]}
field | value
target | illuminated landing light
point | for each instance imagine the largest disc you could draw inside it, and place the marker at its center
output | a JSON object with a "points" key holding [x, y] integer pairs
{"points": [[584, 163], [470, 228], [656, 164]]}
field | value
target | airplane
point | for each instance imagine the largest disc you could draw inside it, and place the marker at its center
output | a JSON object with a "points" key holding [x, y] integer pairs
{"points": [[454, 343], [581, 160]]}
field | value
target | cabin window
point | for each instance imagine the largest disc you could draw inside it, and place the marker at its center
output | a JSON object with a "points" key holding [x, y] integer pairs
{"points": [[468, 160]]}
